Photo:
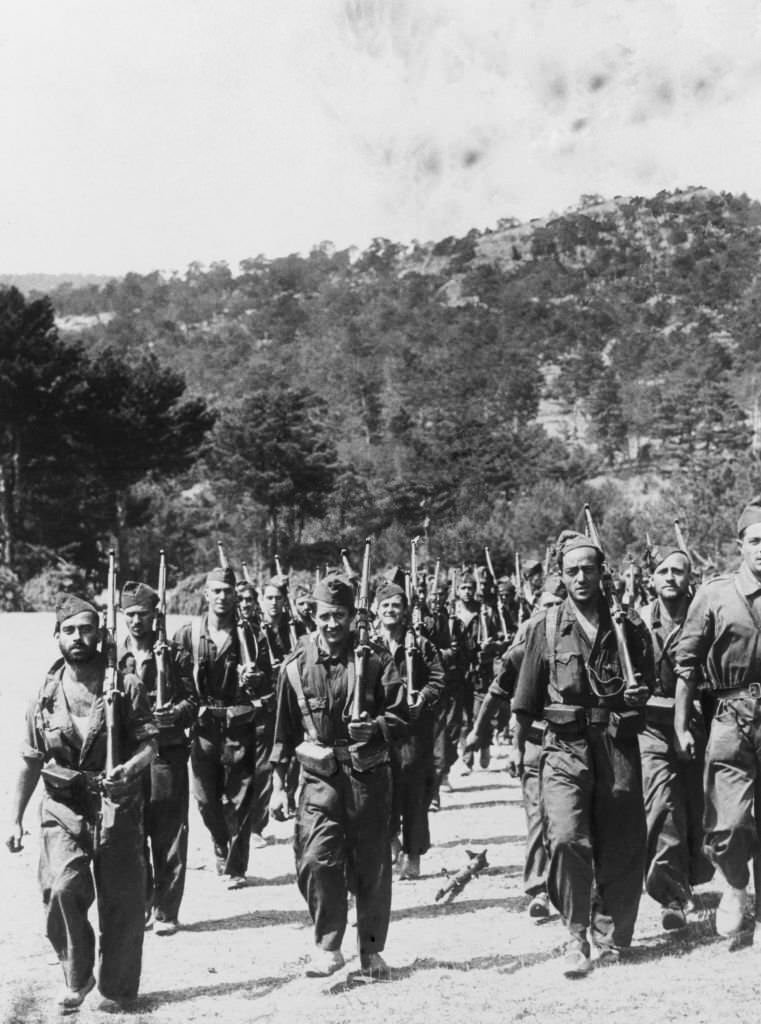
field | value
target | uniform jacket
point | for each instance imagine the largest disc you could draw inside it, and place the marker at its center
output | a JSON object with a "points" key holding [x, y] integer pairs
{"points": [[181, 691]]}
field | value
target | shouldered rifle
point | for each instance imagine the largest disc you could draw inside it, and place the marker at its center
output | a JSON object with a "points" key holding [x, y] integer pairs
{"points": [[363, 632], [452, 609], [248, 648], [412, 636], [524, 603], [162, 673], [433, 592], [681, 543], [290, 611], [616, 610], [476, 864], [500, 606], [111, 678]]}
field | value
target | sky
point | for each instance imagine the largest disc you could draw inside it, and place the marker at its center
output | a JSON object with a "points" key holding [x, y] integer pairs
{"points": [[149, 134]]}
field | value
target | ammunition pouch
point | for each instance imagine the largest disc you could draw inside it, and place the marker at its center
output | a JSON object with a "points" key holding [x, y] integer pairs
{"points": [[316, 758], [659, 711], [239, 714], [365, 757], [536, 733], [626, 724], [63, 783], [569, 721]]}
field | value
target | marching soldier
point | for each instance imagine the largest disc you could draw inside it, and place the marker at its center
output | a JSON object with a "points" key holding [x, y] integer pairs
{"points": [[223, 745], [476, 647], [571, 676], [342, 838], [720, 637], [673, 788], [166, 784], [412, 757], [92, 822]]}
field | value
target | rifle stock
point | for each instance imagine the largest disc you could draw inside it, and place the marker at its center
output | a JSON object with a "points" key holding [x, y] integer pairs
{"points": [[616, 610], [363, 632], [111, 678]]}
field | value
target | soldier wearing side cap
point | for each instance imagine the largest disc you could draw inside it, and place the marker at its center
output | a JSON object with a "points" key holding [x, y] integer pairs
{"points": [[673, 788], [342, 840], [85, 853], [166, 785], [232, 697], [571, 677], [720, 638]]}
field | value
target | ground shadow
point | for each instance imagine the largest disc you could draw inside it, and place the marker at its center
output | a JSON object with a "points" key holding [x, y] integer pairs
{"points": [[478, 843], [254, 988], [254, 919], [460, 906]]}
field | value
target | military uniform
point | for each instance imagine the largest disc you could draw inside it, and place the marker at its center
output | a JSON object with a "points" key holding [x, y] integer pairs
{"points": [[223, 752], [720, 634], [342, 833], [80, 844], [673, 788], [590, 771], [477, 633], [166, 784]]}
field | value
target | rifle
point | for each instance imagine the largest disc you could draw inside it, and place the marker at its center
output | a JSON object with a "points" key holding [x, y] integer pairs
{"points": [[433, 591], [681, 543], [412, 637], [291, 614], [346, 565], [111, 678], [500, 606], [159, 623], [452, 609], [248, 656], [363, 632], [476, 864], [616, 610], [520, 591]]}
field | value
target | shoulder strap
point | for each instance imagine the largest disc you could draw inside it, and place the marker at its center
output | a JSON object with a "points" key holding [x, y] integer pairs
{"points": [[754, 619], [294, 678], [551, 631]]}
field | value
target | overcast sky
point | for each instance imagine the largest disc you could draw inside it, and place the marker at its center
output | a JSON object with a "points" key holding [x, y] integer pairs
{"points": [[141, 135]]}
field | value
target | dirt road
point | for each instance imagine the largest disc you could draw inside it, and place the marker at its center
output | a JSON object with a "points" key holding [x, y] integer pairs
{"points": [[239, 956]]}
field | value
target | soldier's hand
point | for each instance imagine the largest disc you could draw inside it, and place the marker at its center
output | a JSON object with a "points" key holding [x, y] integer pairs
{"points": [[636, 696], [471, 742], [362, 729], [160, 649], [684, 743], [279, 805], [14, 842], [118, 783], [166, 716], [515, 762], [249, 677]]}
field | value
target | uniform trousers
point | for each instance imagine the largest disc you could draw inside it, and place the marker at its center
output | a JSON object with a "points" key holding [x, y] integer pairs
{"points": [[732, 780], [414, 782], [265, 731], [673, 791], [595, 828], [535, 862], [78, 864], [223, 762], [166, 831], [342, 841]]}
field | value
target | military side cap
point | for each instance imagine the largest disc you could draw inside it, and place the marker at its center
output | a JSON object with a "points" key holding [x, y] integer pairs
{"points": [[531, 566], [280, 581], [138, 595], [750, 514], [569, 540], [220, 575], [673, 551], [387, 590], [335, 589], [466, 578], [245, 587], [302, 591], [67, 605]]}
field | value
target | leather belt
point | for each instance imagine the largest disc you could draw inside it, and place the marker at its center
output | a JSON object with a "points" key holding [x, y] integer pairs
{"points": [[751, 692]]}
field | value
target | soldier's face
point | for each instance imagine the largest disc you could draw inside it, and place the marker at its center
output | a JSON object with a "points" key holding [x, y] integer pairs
{"points": [[750, 548], [78, 637], [139, 621], [304, 606], [247, 603], [391, 611], [333, 623], [671, 578], [273, 602], [466, 592], [221, 597], [581, 574]]}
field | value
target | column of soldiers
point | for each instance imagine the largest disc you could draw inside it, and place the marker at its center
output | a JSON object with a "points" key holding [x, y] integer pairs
{"points": [[351, 719]]}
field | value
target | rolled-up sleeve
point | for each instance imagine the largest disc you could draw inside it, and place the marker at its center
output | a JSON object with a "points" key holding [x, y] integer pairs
{"points": [[289, 728], [32, 745], [696, 638], [533, 675]]}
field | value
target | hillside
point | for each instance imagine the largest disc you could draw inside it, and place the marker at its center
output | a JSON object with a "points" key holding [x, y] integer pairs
{"points": [[489, 382]]}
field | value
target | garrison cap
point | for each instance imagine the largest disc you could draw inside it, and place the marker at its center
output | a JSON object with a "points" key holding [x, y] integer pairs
{"points": [[672, 551], [138, 595], [531, 566], [750, 514], [67, 605], [570, 539], [220, 575], [245, 587], [279, 581], [335, 589], [387, 590], [302, 591], [466, 578]]}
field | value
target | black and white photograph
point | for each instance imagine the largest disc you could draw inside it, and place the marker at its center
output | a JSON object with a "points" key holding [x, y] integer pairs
{"points": [[380, 511]]}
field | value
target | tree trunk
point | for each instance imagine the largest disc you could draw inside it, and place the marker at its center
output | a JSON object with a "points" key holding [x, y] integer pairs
{"points": [[6, 517]]}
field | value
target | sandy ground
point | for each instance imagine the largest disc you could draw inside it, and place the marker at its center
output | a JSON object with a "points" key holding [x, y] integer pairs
{"points": [[240, 955]]}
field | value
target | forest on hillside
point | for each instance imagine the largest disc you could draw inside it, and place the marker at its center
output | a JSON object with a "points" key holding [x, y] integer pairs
{"points": [[474, 391]]}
